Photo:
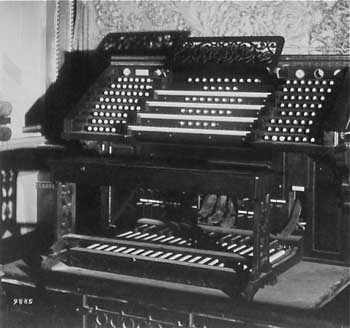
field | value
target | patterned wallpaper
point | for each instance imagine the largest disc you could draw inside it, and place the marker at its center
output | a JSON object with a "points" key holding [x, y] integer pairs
{"points": [[309, 27]]}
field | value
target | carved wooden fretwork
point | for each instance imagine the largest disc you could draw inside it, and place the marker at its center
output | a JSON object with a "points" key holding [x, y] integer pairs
{"points": [[230, 50], [66, 193], [8, 181], [142, 43]]}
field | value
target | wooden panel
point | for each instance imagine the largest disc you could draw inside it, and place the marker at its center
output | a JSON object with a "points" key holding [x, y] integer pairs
{"points": [[242, 183]]}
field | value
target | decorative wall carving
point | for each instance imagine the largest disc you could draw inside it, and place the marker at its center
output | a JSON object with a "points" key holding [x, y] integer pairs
{"points": [[309, 27], [333, 31]]}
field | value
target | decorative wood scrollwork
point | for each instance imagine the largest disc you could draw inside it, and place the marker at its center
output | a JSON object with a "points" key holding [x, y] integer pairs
{"points": [[227, 50], [141, 43], [187, 51], [262, 234], [66, 208], [8, 181]]}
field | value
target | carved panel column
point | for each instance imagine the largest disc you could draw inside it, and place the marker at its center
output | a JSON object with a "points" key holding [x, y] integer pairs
{"points": [[8, 180], [66, 205]]}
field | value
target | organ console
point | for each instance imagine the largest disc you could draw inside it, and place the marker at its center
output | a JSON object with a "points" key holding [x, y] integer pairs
{"points": [[204, 167]]}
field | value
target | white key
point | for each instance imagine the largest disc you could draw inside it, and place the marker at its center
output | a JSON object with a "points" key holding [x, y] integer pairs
{"points": [[182, 242], [175, 240], [133, 235], [147, 253], [93, 246], [207, 259], [216, 261], [239, 248], [195, 259], [119, 249], [176, 256], [227, 237], [142, 236], [249, 249], [129, 250], [186, 257], [150, 237], [167, 239], [166, 255], [236, 238], [100, 248], [138, 251], [159, 238], [231, 246], [110, 248], [125, 234], [156, 254]]}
